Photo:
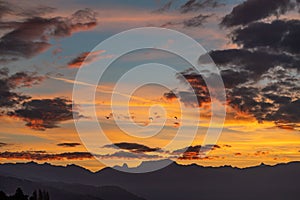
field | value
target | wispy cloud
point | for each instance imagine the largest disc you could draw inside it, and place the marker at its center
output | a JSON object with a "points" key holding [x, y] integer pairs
{"points": [[133, 147], [87, 58], [28, 155], [68, 144]]}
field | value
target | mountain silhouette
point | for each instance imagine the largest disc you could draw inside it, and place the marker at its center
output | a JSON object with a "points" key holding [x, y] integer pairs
{"points": [[64, 191], [174, 182]]}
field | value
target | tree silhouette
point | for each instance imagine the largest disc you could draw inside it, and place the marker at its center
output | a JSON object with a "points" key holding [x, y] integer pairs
{"points": [[40, 197], [3, 195], [33, 196], [19, 195]]}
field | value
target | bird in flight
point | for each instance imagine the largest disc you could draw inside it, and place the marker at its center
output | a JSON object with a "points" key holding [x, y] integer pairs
{"points": [[109, 116]]}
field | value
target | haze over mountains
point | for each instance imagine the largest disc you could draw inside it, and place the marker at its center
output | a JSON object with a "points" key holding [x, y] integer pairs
{"points": [[173, 182]]}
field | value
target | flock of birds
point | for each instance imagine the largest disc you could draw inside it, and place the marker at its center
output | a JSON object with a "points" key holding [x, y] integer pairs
{"points": [[176, 123]]}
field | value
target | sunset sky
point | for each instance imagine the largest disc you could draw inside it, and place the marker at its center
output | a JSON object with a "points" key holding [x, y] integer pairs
{"points": [[255, 45]]}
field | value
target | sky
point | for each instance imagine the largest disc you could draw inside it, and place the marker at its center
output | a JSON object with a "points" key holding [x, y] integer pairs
{"points": [[254, 44]]}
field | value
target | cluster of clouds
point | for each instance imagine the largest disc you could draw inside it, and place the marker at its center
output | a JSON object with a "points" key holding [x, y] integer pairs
{"points": [[254, 10], [261, 76], [28, 35], [128, 150], [133, 151], [269, 51], [42, 155], [188, 8], [38, 114], [124, 150], [31, 35], [8, 83]]}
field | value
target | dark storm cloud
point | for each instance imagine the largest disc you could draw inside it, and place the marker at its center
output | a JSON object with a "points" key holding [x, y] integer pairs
{"points": [[194, 5], [266, 103], [279, 36], [42, 114], [261, 78], [199, 89], [253, 10], [31, 36], [188, 98], [277, 99], [247, 99], [198, 94], [256, 62], [10, 98], [287, 113], [69, 144], [29, 155], [269, 53], [132, 147], [233, 78]]}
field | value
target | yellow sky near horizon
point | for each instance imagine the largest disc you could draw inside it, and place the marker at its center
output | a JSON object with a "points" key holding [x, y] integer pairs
{"points": [[244, 142]]}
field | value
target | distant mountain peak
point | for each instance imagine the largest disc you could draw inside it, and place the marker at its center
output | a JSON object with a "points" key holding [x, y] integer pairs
{"points": [[146, 166]]}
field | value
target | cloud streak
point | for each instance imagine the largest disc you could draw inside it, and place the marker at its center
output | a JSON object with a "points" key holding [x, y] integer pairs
{"points": [[68, 144], [2, 144], [132, 147], [85, 58], [28, 155]]}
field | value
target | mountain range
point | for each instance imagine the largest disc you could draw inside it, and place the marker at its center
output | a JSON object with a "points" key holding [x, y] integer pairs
{"points": [[174, 182]]}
